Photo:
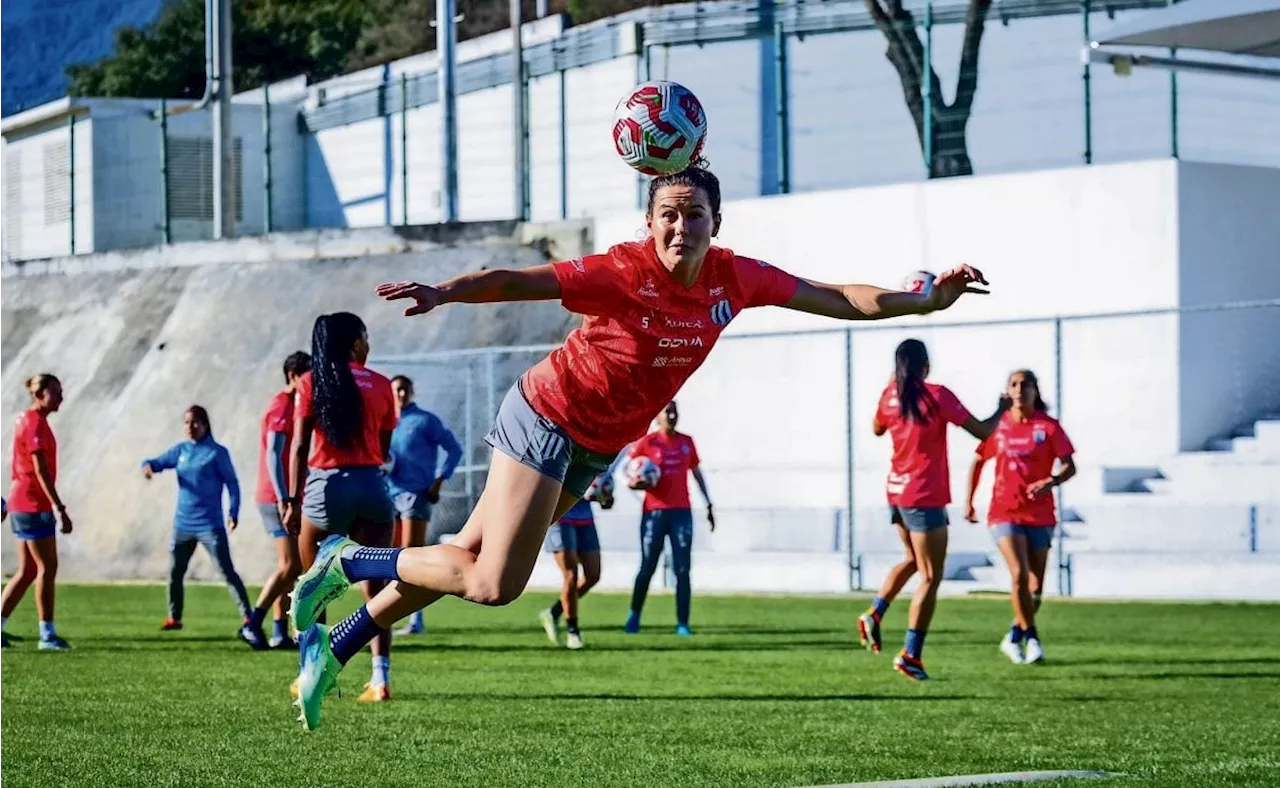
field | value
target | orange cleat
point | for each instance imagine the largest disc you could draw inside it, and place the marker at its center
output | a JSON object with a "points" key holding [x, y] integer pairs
{"points": [[379, 693], [170, 624]]}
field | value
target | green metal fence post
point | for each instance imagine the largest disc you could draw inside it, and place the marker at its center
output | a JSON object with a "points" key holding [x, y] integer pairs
{"points": [[783, 108], [1085, 8], [166, 235], [1173, 103], [71, 173], [266, 158], [404, 149], [926, 83]]}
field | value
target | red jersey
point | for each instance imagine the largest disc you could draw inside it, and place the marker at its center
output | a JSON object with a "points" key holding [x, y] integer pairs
{"points": [[31, 434], [642, 336], [675, 456], [919, 476], [1024, 452], [379, 417], [278, 418]]}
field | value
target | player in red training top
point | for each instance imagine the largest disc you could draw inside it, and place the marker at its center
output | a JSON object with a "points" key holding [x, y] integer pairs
{"points": [[275, 437], [343, 419], [32, 501], [667, 514], [652, 312], [916, 413], [1025, 446]]}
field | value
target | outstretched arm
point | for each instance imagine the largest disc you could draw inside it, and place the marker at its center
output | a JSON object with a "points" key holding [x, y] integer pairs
{"points": [[868, 302], [538, 283]]}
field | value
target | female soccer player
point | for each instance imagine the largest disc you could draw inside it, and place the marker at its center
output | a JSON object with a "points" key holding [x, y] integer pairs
{"points": [[33, 499], [204, 468], [575, 544], [415, 475], [653, 310], [916, 413], [1025, 446], [275, 436], [668, 514], [342, 425]]}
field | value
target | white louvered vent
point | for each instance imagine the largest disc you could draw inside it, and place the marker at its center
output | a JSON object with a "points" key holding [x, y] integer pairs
{"points": [[13, 203], [57, 182], [191, 177]]}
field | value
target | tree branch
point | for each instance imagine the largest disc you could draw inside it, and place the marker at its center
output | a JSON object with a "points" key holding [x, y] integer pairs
{"points": [[967, 82]]}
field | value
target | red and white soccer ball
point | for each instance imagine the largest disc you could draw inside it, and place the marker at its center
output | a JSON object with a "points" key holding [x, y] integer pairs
{"points": [[642, 473], [659, 128], [919, 282]]}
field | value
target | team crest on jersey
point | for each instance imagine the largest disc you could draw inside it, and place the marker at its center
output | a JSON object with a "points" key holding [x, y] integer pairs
{"points": [[715, 291], [722, 313], [1038, 435], [579, 265]]}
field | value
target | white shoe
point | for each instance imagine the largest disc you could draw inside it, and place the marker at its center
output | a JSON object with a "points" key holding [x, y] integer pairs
{"points": [[550, 625], [414, 627], [1035, 652], [1011, 650], [574, 641]]}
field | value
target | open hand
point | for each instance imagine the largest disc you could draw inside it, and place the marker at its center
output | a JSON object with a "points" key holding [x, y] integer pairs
{"points": [[66, 521], [970, 513], [952, 284], [425, 297]]}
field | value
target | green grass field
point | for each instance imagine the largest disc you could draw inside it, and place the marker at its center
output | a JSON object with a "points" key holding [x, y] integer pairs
{"points": [[770, 692]]}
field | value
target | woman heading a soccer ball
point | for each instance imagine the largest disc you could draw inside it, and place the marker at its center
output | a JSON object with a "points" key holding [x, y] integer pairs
{"points": [[568, 416]]}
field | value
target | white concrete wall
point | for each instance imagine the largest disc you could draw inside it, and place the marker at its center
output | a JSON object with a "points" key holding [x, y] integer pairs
{"points": [[38, 234], [1229, 250]]}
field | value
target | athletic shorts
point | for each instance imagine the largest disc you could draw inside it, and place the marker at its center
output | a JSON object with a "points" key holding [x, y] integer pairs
{"points": [[919, 519], [30, 526], [335, 499], [1039, 537], [411, 505], [535, 441], [270, 514], [579, 538]]}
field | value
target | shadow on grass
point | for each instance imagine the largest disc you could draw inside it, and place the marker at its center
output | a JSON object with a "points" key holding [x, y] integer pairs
{"points": [[632, 646]]}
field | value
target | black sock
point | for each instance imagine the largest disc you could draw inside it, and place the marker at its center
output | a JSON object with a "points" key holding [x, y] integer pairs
{"points": [[557, 609], [572, 624]]}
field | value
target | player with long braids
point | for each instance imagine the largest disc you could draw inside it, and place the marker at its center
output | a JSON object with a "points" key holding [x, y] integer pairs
{"points": [[343, 421], [653, 310]]}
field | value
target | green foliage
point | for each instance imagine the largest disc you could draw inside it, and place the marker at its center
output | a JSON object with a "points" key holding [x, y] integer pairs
{"points": [[273, 39]]}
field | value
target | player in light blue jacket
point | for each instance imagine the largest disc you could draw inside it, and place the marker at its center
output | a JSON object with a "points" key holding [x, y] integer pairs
{"points": [[204, 469]]}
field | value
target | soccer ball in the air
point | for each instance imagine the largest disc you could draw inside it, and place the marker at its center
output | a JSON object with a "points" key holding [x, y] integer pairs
{"points": [[642, 473], [601, 491], [659, 128]]}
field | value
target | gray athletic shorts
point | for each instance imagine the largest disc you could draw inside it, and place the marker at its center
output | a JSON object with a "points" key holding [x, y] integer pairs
{"points": [[578, 538], [1039, 537], [411, 505], [270, 514], [919, 519], [533, 440], [336, 498]]}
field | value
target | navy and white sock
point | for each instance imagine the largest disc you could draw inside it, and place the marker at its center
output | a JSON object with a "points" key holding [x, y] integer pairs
{"points": [[351, 634], [1015, 634], [279, 629], [914, 643], [47, 630], [557, 609], [256, 618], [1032, 634], [370, 563], [878, 606], [571, 625]]}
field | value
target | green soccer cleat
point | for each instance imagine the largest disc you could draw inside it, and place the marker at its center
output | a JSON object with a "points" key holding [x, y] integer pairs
{"points": [[319, 674], [321, 584]]}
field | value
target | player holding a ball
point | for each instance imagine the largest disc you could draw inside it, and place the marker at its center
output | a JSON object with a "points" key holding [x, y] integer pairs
{"points": [[652, 312], [667, 512]]}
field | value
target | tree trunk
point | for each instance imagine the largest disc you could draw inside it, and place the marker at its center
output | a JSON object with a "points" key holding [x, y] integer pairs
{"points": [[905, 51]]}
